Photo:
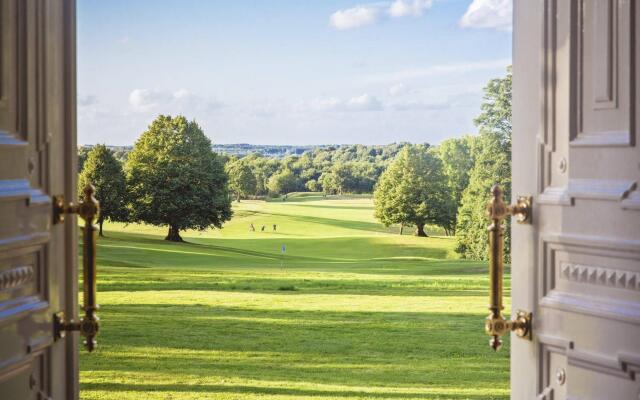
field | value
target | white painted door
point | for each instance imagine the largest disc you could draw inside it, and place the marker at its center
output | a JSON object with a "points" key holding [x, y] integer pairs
{"points": [[576, 150], [37, 160]]}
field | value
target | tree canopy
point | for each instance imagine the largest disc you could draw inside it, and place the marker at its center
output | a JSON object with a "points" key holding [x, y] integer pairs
{"points": [[175, 179], [332, 169], [242, 181], [495, 110], [356, 167], [283, 182], [492, 165], [412, 190], [104, 172], [457, 160]]}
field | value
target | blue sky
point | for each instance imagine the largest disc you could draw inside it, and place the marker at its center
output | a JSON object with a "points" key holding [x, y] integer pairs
{"points": [[289, 72]]}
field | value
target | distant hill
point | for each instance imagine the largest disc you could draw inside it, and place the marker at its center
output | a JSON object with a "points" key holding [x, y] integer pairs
{"points": [[239, 149], [275, 151]]}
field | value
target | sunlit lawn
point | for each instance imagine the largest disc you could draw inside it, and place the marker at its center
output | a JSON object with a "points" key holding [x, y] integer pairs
{"points": [[351, 311]]}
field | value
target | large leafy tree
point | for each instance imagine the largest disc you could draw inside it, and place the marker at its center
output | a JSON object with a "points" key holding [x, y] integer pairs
{"points": [[263, 168], [338, 179], [242, 181], [175, 179], [456, 155], [283, 182], [495, 115], [412, 190], [492, 165], [104, 172], [83, 151], [313, 186], [349, 177]]}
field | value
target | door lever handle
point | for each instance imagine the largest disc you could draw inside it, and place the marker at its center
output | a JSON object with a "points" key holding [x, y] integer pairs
{"points": [[495, 324], [89, 324]]}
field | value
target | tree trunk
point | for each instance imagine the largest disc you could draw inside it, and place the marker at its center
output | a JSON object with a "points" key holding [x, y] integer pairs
{"points": [[420, 230], [401, 228], [100, 221], [238, 198], [173, 235]]}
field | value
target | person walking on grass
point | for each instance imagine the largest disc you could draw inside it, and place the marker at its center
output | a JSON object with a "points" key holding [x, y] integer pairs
{"points": [[252, 228], [274, 227], [262, 230]]}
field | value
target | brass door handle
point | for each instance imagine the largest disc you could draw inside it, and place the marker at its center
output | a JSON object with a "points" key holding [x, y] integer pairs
{"points": [[495, 324], [89, 324]]}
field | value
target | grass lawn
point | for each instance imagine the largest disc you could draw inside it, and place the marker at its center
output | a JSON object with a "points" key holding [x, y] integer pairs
{"points": [[352, 311]]}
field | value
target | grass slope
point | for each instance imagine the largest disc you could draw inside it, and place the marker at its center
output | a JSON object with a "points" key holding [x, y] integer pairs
{"points": [[352, 311]]}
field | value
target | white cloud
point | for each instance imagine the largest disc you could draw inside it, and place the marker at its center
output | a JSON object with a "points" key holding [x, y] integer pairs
{"points": [[182, 94], [182, 100], [365, 102], [414, 8], [398, 89], [89, 108], [145, 99], [494, 14], [369, 14], [354, 17], [442, 99]]}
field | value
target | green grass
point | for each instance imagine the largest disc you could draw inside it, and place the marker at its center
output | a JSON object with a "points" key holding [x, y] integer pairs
{"points": [[352, 311]]}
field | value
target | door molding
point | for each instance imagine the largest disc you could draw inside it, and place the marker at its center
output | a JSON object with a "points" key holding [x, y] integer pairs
{"points": [[599, 261]]}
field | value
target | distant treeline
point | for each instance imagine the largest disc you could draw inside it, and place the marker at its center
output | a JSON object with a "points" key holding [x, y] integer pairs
{"points": [[333, 169], [234, 149]]}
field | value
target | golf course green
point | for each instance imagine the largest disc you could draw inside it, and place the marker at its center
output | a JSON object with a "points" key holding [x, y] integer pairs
{"points": [[350, 310]]}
